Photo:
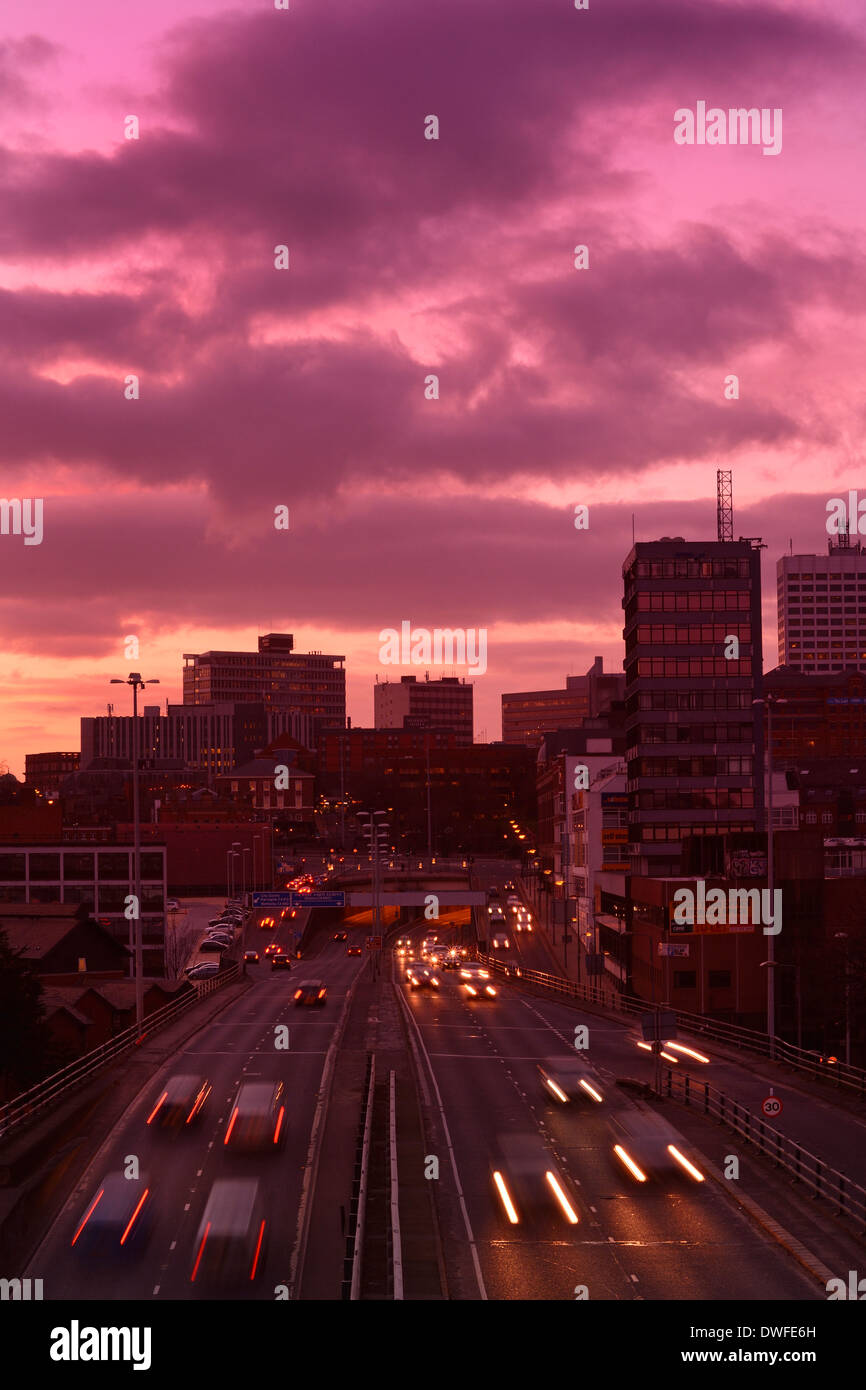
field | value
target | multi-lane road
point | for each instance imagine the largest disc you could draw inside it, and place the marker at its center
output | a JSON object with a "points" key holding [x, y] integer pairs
{"points": [[482, 1103]]}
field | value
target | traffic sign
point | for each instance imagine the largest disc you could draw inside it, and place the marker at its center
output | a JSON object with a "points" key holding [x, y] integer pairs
{"points": [[330, 898], [327, 898], [771, 1106], [659, 1026]]}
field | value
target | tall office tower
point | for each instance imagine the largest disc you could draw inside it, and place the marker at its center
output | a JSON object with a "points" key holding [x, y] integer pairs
{"points": [[822, 608], [446, 703], [308, 683], [693, 735]]}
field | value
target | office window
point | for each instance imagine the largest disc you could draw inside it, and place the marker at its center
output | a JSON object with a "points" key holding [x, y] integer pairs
{"points": [[685, 979]]}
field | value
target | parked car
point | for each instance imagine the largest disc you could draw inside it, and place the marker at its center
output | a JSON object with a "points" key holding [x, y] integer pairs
{"points": [[203, 971]]}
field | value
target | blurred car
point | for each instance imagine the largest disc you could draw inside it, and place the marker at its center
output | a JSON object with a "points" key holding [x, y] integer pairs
{"points": [[116, 1222], [512, 966], [267, 922], [526, 1178], [181, 1102], [257, 1117], [499, 941], [279, 961], [229, 1243], [353, 949], [251, 957], [422, 976], [648, 1147], [452, 961], [205, 970], [272, 948], [341, 935], [311, 992], [569, 1078], [211, 945], [475, 981]]}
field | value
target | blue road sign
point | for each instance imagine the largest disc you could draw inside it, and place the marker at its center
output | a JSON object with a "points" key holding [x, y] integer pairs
{"points": [[332, 898]]}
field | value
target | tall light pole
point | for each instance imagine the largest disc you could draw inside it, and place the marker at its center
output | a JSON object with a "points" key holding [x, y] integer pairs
{"points": [[429, 814], [137, 684], [843, 936], [770, 701], [246, 851], [236, 854]]}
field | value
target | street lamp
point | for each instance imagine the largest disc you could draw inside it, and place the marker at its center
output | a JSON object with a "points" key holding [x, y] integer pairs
{"points": [[843, 936], [230, 855], [137, 684], [785, 965], [770, 702]]}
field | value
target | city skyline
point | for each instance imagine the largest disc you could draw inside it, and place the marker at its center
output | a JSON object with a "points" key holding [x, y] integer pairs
{"points": [[557, 386]]}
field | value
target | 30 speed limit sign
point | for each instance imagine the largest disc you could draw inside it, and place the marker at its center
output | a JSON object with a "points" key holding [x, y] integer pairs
{"points": [[771, 1106]]}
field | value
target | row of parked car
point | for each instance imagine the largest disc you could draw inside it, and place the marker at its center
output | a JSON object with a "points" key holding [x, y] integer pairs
{"points": [[219, 939]]}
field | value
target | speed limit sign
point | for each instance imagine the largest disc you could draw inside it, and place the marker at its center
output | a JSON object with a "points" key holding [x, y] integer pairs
{"points": [[771, 1106]]}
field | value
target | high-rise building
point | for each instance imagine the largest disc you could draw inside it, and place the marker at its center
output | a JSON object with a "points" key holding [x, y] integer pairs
{"points": [[822, 608], [693, 733], [213, 738], [446, 703], [530, 714], [307, 683]]}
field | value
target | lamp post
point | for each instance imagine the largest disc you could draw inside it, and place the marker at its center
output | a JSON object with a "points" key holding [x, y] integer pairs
{"points": [[843, 936], [137, 684], [246, 851], [770, 701], [236, 854], [784, 965]]}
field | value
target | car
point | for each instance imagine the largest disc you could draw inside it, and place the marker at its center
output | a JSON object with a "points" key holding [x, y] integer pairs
{"points": [[568, 1079], [499, 941], [279, 961], [267, 922], [525, 1178], [353, 949], [422, 976], [475, 981], [451, 961], [272, 948], [220, 934], [229, 1246], [251, 957], [217, 922], [116, 1222], [512, 966], [181, 1102], [205, 970], [312, 992], [649, 1147], [257, 1117], [341, 936], [211, 946]]}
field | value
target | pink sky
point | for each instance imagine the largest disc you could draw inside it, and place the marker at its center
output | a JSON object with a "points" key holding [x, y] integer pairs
{"points": [[408, 257]]}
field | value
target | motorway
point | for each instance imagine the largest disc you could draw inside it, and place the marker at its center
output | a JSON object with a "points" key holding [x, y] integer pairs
{"points": [[668, 1238], [672, 1239], [238, 1046]]}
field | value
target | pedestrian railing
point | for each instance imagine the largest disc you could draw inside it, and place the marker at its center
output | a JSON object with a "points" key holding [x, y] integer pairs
{"points": [[848, 1198], [24, 1107], [715, 1030]]}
